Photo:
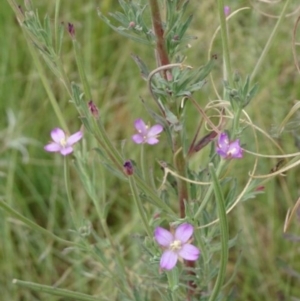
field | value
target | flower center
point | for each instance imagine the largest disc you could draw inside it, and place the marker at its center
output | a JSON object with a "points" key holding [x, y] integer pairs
{"points": [[175, 245], [63, 142]]}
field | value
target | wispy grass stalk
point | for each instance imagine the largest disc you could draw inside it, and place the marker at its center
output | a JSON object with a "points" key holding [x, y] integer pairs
{"points": [[270, 40]]}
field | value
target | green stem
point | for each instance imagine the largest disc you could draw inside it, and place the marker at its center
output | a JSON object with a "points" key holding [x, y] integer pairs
{"points": [[143, 163], [56, 25], [105, 142], [236, 122], [80, 66], [55, 291], [209, 192], [155, 198], [173, 283], [224, 35], [47, 87], [183, 195], [269, 42], [31, 224], [15, 7], [223, 233], [139, 205], [69, 193], [204, 253]]}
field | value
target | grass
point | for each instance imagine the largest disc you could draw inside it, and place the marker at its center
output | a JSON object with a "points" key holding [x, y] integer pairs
{"points": [[31, 179]]}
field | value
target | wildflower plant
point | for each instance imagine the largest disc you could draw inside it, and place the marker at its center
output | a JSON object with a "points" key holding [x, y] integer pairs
{"points": [[183, 209]]}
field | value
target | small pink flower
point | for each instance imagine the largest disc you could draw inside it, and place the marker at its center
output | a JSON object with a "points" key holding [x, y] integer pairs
{"points": [[145, 133], [61, 143], [226, 10], [176, 246], [227, 149]]}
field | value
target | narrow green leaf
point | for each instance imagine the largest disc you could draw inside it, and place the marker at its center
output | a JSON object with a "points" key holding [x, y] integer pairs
{"points": [[56, 291], [223, 230]]}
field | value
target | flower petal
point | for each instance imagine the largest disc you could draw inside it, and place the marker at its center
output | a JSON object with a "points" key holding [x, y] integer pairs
{"points": [[141, 127], [52, 147], [155, 130], [235, 150], [163, 236], [184, 232], [66, 151], [223, 146], [152, 140], [189, 252], [223, 141], [74, 138], [138, 138], [57, 135], [168, 260], [221, 153]]}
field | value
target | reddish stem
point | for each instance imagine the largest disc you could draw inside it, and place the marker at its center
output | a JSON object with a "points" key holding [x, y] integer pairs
{"points": [[179, 159], [159, 33]]}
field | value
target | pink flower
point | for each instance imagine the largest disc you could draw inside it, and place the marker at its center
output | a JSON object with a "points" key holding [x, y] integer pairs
{"points": [[226, 10], [227, 149], [61, 143], [176, 246], [146, 134]]}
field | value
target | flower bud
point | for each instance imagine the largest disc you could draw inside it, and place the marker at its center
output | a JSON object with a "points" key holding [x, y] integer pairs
{"points": [[226, 10], [71, 30], [93, 109], [260, 188], [128, 168], [131, 24]]}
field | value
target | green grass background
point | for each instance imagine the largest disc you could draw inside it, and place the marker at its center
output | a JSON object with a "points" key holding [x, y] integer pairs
{"points": [[31, 179]]}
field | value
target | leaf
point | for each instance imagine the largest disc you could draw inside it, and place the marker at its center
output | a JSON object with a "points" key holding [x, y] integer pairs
{"points": [[109, 165], [142, 66]]}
